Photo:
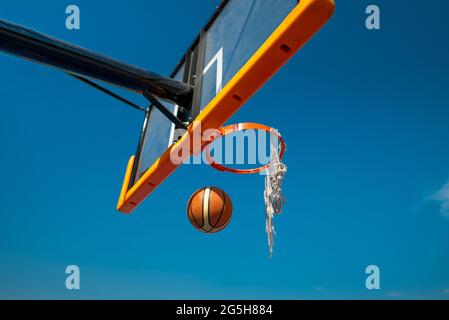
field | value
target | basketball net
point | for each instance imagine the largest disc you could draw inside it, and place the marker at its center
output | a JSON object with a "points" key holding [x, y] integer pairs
{"points": [[274, 172], [274, 199]]}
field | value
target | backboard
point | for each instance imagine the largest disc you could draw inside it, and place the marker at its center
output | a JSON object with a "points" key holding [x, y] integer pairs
{"points": [[240, 48]]}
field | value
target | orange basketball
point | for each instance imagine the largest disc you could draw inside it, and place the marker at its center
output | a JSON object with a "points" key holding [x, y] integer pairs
{"points": [[209, 209]]}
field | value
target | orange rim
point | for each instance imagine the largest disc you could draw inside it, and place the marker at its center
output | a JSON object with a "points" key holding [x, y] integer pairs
{"points": [[223, 131]]}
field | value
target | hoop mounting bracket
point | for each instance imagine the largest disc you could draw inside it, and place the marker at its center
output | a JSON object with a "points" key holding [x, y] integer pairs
{"points": [[170, 116]]}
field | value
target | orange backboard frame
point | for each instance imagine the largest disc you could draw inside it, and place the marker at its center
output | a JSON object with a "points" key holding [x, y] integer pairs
{"points": [[291, 35]]}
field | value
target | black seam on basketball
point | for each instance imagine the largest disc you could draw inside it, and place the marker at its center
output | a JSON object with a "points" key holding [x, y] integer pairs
{"points": [[230, 216], [222, 208], [226, 223], [229, 204], [189, 213], [193, 216]]}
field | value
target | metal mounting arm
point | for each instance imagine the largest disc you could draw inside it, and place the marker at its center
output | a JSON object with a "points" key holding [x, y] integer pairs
{"points": [[108, 92], [170, 116], [40, 48]]}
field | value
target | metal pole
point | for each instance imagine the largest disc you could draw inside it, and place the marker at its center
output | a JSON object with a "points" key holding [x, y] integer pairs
{"points": [[40, 48]]}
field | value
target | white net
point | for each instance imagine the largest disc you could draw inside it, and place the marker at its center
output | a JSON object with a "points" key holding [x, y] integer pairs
{"points": [[274, 199]]}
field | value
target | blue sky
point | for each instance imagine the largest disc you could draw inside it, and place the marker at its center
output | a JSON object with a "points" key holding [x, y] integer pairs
{"points": [[365, 117]]}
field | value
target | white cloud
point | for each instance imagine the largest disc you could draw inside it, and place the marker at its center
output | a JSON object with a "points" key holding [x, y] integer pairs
{"points": [[442, 196], [319, 289], [445, 291]]}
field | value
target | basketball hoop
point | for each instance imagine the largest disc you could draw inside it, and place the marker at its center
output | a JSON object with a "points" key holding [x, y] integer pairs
{"points": [[227, 130], [275, 171]]}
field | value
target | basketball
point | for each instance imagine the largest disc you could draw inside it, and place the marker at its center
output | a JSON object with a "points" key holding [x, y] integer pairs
{"points": [[209, 209]]}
